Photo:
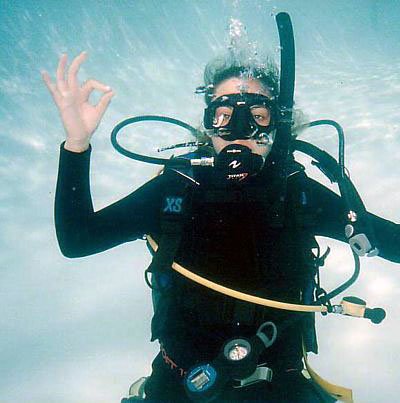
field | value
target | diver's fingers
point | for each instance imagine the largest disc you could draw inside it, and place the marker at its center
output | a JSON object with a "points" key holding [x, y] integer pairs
{"points": [[60, 75], [51, 86], [92, 85], [104, 102], [72, 77]]}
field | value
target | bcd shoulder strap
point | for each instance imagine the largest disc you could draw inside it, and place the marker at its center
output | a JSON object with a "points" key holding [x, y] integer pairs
{"points": [[175, 207]]}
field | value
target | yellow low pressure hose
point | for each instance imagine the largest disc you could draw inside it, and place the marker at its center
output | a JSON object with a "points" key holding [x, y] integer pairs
{"points": [[237, 294]]}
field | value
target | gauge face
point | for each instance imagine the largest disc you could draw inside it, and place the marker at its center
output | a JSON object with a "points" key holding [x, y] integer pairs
{"points": [[237, 353], [236, 350]]}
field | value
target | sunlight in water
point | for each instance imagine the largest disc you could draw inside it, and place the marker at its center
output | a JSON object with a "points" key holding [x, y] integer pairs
{"points": [[77, 330]]}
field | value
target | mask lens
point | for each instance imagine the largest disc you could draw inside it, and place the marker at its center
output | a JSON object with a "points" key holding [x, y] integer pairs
{"points": [[261, 115], [222, 116]]}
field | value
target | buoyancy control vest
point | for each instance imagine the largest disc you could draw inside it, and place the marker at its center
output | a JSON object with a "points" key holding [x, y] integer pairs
{"points": [[237, 236]]}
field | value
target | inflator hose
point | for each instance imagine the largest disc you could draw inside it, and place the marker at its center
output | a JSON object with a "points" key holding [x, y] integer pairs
{"points": [[237, 294]]}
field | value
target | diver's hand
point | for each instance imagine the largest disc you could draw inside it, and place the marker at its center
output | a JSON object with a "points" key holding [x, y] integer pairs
{"points": [[79, 117]]}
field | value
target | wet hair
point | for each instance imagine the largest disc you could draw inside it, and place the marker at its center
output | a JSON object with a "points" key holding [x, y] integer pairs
{"points": [[225, 67]]}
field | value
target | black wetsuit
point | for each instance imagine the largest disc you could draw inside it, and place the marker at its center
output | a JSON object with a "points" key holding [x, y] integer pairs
{"points": [[232, 242]]}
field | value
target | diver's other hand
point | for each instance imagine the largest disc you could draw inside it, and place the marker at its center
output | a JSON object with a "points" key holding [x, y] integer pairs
{"points": [[79, 117]]}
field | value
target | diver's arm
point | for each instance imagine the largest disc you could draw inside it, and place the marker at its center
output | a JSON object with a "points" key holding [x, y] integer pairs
{"points": [[387, 235], [80, 230], [331, 221], [79, 117]]}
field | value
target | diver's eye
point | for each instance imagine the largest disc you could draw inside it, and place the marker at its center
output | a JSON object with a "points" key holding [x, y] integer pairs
{"points": [[222, 116], [261, 115]]}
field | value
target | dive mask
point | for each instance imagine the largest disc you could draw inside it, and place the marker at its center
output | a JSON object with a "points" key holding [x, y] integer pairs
{"points": [[241, 116]]}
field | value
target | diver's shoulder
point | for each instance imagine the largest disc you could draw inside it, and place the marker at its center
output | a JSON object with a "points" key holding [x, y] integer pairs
{"points": [[296, 172]]}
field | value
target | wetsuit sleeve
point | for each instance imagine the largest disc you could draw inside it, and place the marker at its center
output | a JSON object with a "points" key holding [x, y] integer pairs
{"points": [[331, 220], [80, 230]]}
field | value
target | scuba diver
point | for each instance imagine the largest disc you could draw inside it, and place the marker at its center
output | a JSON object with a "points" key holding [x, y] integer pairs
{"points": [[247, 222]]}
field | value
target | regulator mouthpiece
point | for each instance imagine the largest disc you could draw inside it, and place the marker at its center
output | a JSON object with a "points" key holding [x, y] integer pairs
{"points": [[236, 163]]}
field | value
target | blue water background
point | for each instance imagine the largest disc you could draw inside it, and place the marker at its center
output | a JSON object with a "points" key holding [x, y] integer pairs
{"points": [[78, 330]]}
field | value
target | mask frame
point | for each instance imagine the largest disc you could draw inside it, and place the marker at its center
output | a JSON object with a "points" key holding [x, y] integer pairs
{"points": [[242, 124]]}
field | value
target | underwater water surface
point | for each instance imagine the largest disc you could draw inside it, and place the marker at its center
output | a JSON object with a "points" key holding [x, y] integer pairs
{"points": [[79, 330]]}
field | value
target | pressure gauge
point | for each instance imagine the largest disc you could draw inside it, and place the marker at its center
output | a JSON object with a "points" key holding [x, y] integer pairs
{"points": [[237, 349]]}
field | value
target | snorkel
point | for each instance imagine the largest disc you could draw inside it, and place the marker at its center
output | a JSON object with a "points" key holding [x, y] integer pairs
{"points": [[286, 90]]}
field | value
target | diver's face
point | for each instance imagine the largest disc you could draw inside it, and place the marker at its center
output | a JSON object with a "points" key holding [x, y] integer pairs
{"points": [[236, 85]]}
